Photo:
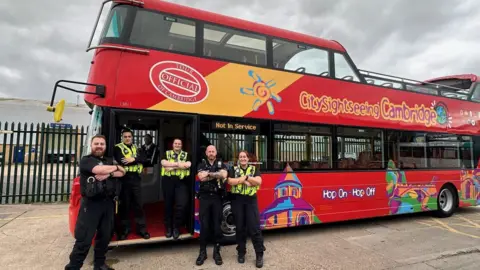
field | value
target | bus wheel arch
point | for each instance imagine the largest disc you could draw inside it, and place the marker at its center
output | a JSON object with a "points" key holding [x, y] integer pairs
{"points": [[447, 201]]}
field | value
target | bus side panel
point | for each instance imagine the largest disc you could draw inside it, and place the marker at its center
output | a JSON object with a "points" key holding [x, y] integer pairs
{"points": [[103, 71], [74, 204], [148, 76], [293, 199], [196, 217]]}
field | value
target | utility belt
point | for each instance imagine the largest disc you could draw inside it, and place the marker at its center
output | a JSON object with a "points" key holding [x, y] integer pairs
{"points": [[244, 198], [96, 189], [133, 169], [212, 187]]}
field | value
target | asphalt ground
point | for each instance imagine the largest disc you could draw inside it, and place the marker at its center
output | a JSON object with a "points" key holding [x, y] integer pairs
{"points": [[37, 237]]}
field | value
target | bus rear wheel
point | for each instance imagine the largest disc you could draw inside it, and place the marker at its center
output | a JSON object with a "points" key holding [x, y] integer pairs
{"points": [[228, 224], [446, 202]]}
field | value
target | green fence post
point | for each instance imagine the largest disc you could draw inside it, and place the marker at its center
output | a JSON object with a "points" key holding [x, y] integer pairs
{"points": [[39, 151], [27, 189], [2, 160], [59, 139], [10, 154], [66, 159], [70, 162], [54, 133], [22, 167], [46, 156]]}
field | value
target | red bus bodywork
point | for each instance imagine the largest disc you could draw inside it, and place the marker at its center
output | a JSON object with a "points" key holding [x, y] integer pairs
{"points": [[291, 198]]}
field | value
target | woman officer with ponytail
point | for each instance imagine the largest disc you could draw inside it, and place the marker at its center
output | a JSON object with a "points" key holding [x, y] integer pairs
{"points": [[245, 181]]}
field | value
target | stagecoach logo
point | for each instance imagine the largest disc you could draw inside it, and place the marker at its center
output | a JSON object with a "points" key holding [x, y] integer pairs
{"points": [[179, 82]]}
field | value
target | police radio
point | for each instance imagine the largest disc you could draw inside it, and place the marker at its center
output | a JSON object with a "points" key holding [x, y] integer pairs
{"points": [[221, 185], [94, 187]]}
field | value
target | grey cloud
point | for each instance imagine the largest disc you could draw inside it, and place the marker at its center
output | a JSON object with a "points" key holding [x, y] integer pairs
{"points": [[43, 41], [385, 36]]}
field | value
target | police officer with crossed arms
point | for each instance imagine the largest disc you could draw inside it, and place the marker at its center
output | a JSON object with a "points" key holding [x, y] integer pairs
{"points": [[212, 175], [126, 153], [99, 189], [175, 172], [245, 180]]}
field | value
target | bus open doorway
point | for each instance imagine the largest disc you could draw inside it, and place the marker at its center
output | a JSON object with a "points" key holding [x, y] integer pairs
{"points": [[163, 128]]}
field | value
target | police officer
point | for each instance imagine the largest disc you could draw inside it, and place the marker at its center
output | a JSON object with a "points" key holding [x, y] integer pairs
{"points": [[131, 194], [96, 214], [212, 175], [245, 180], [150, 150], [175, 171]]}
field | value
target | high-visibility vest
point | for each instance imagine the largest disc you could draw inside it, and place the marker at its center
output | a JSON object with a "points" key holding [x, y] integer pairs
{"points": [[127, 152], [172, 157], [243, 189]]}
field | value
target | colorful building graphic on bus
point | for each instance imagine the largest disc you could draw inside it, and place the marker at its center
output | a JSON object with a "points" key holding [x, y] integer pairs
{"points": [[288, 209], [469, 192], [408, 198]]}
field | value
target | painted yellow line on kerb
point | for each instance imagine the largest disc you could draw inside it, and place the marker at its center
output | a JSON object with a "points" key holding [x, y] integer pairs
{"points": [[453, 230], [469, 221], [38, 217]]}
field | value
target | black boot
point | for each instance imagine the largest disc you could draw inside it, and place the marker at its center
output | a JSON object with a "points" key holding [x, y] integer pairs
{"points": [[169, 232], [241, 257], [124, 234], [216, 255], [201, 257], [144, 234], [176, 233], [259, 260]]}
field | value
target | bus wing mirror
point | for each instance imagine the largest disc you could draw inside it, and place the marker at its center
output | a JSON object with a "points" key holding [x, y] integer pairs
{"points": [[59, 108]]}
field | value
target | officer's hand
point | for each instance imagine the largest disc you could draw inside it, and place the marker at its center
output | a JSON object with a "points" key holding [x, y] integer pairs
{"points": [[248, 184], [128, 160], [101, 177], [203, 175], [120, 168]]}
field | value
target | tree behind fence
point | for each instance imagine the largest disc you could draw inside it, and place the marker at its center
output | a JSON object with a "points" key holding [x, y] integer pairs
{"points": [[38, 161]]}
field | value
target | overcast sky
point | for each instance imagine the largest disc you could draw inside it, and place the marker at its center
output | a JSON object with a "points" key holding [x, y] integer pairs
{"points": [[417, 39]]}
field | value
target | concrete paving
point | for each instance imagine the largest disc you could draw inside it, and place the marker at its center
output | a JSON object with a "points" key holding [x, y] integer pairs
{"points": [[37, 237]]}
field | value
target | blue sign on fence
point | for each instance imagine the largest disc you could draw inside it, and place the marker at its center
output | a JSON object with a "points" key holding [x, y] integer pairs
{"points": [[60, 125]]}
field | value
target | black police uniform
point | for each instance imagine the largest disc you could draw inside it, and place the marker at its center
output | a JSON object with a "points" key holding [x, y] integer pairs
{"points": [[210, 196], [96, 214], [150, 154], [175, 193], [247, 218], [131, 196]]}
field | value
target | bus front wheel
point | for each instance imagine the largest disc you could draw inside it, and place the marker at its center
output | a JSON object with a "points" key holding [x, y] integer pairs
{"points": [[228, 224], [446, 201]]}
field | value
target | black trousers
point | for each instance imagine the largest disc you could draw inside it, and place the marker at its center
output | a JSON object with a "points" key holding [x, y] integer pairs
{"points": [[94, 216], [131, 199], [175, 193], [210, 218], [247, 219]]}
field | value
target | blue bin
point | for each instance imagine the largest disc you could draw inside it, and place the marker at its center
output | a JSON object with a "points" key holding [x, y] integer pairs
{"points": [[19, 154]]}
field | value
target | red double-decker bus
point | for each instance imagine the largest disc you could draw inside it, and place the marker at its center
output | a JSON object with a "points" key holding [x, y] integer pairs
{"points": [[332, 142]]}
